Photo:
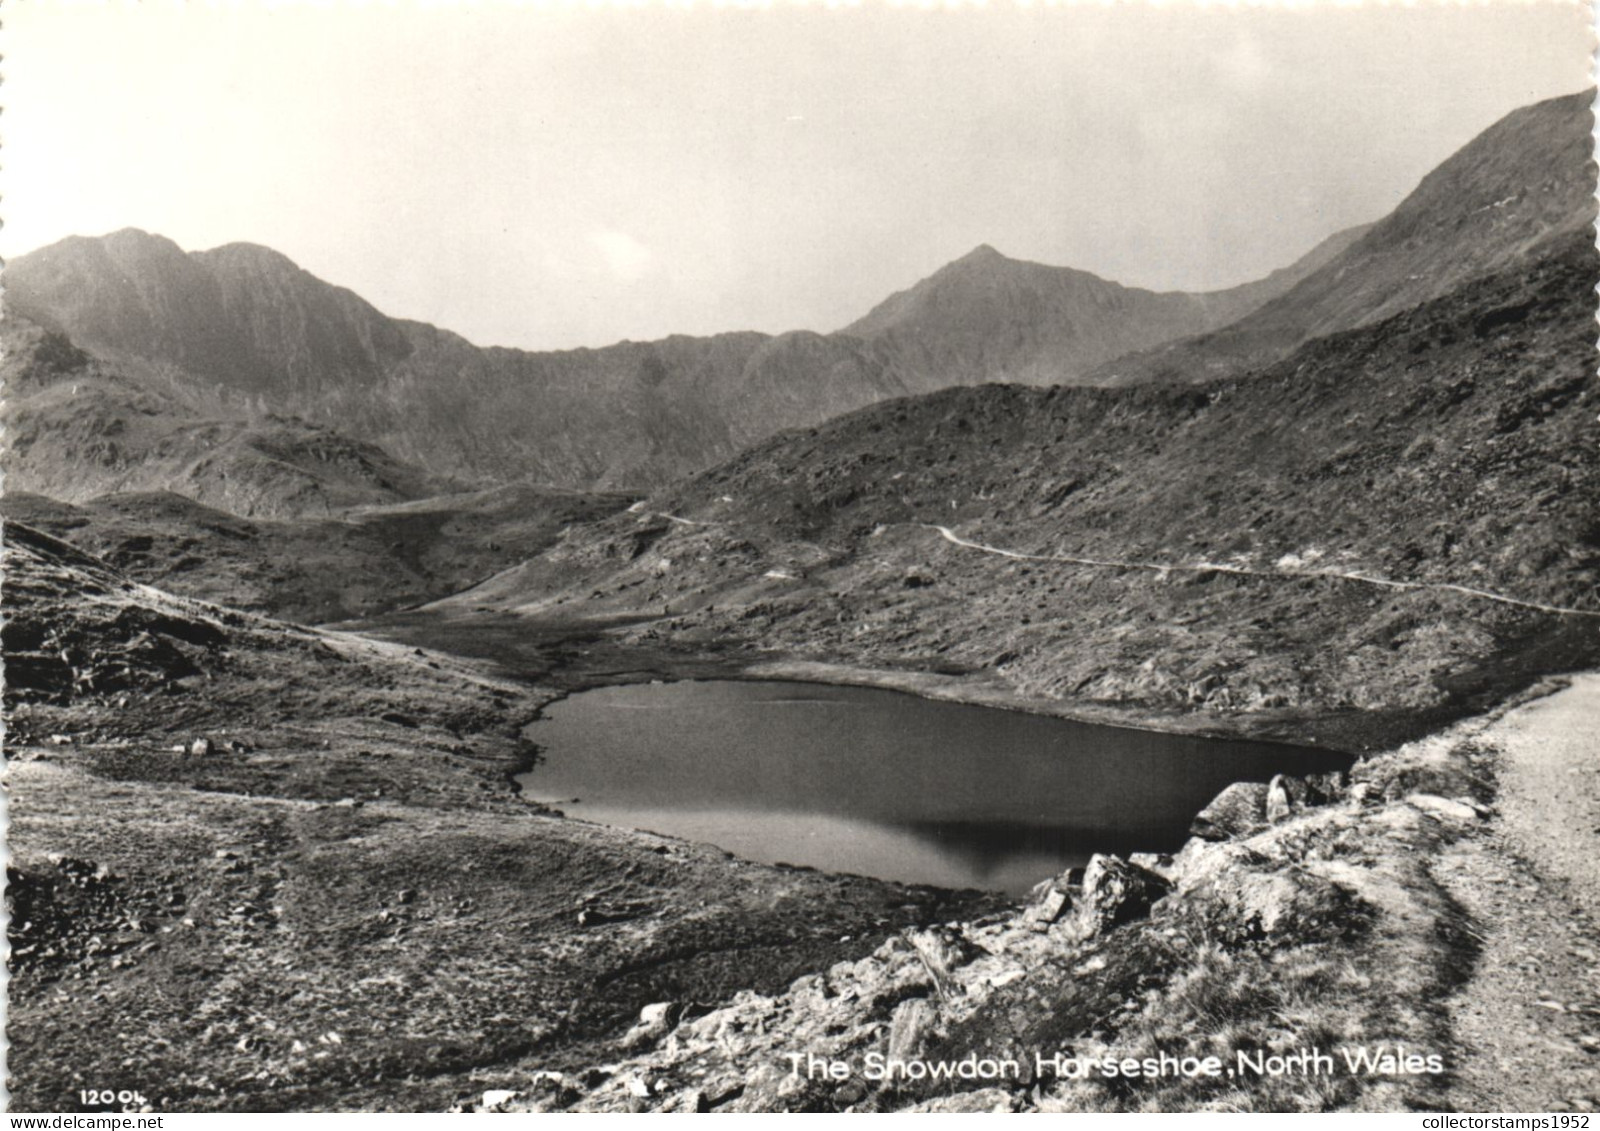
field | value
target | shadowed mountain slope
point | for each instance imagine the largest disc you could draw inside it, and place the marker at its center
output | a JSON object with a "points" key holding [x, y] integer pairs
{"points": [[77, 427], [1522, 185]]}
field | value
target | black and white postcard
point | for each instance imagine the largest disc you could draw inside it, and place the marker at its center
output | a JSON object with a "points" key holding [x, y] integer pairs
{"points": [[795, 557]]}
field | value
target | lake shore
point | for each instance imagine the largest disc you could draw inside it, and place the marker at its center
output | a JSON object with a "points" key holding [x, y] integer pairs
{"points": [[291, 864], [573, 653], [1294, 950]]}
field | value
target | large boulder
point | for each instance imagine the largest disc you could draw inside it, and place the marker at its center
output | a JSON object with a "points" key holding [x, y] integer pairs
{"points": [[1114, 892], [1049, 901], [1285, 797], [1326, 788], [1237, 811]]}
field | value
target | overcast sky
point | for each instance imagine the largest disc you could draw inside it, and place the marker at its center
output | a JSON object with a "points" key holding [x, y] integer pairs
{"points": [[554, 177]]}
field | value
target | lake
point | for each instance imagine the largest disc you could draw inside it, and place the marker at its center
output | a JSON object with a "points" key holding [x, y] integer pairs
{"points": [[880, 783]]}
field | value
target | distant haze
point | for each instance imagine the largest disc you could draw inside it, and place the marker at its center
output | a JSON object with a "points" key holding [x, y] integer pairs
{"points": [[551, 177]]}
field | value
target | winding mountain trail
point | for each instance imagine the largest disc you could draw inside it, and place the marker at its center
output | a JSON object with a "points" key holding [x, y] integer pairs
{"points": [[1217, 567], [638, 508]]}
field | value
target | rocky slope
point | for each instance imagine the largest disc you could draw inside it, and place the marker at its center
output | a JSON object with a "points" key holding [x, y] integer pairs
{"points": [[77, 427], [989, 318], [241, 315], [368, 560], [1522, 186], [1173, 552], [289, 869]]}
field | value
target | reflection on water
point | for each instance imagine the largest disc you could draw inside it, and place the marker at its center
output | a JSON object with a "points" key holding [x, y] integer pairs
{"points": [[883, 784]]}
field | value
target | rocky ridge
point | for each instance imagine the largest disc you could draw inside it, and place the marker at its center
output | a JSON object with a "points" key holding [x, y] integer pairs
{"points": [[986, 317], [1524, 184], [256, 333]]}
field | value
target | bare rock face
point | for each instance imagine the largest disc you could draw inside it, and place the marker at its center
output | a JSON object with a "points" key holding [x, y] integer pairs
{"points": [[1237, 811], [1049, 901], [1050, 907], [1115, 891], [942, 949], [909, 1026]]}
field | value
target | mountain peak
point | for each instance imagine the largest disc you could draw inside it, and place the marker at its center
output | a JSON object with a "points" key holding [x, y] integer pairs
{"points": [[138, 241], [983, 253]]}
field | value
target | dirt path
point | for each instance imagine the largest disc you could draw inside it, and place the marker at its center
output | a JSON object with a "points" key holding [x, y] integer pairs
{"points": [[1218, 567], [1550, 785], [1528, 1022]]}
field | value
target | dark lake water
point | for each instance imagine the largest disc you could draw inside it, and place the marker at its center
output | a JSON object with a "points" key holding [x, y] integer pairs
{"points": [[884, 784]]}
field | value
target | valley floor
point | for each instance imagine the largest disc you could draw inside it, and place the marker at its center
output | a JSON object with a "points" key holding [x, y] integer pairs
{"points": [[336, 902]]}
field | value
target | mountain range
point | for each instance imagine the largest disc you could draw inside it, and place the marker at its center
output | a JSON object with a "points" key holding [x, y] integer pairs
{"points": [[252, 335], [236, 380], [224, 347]]}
